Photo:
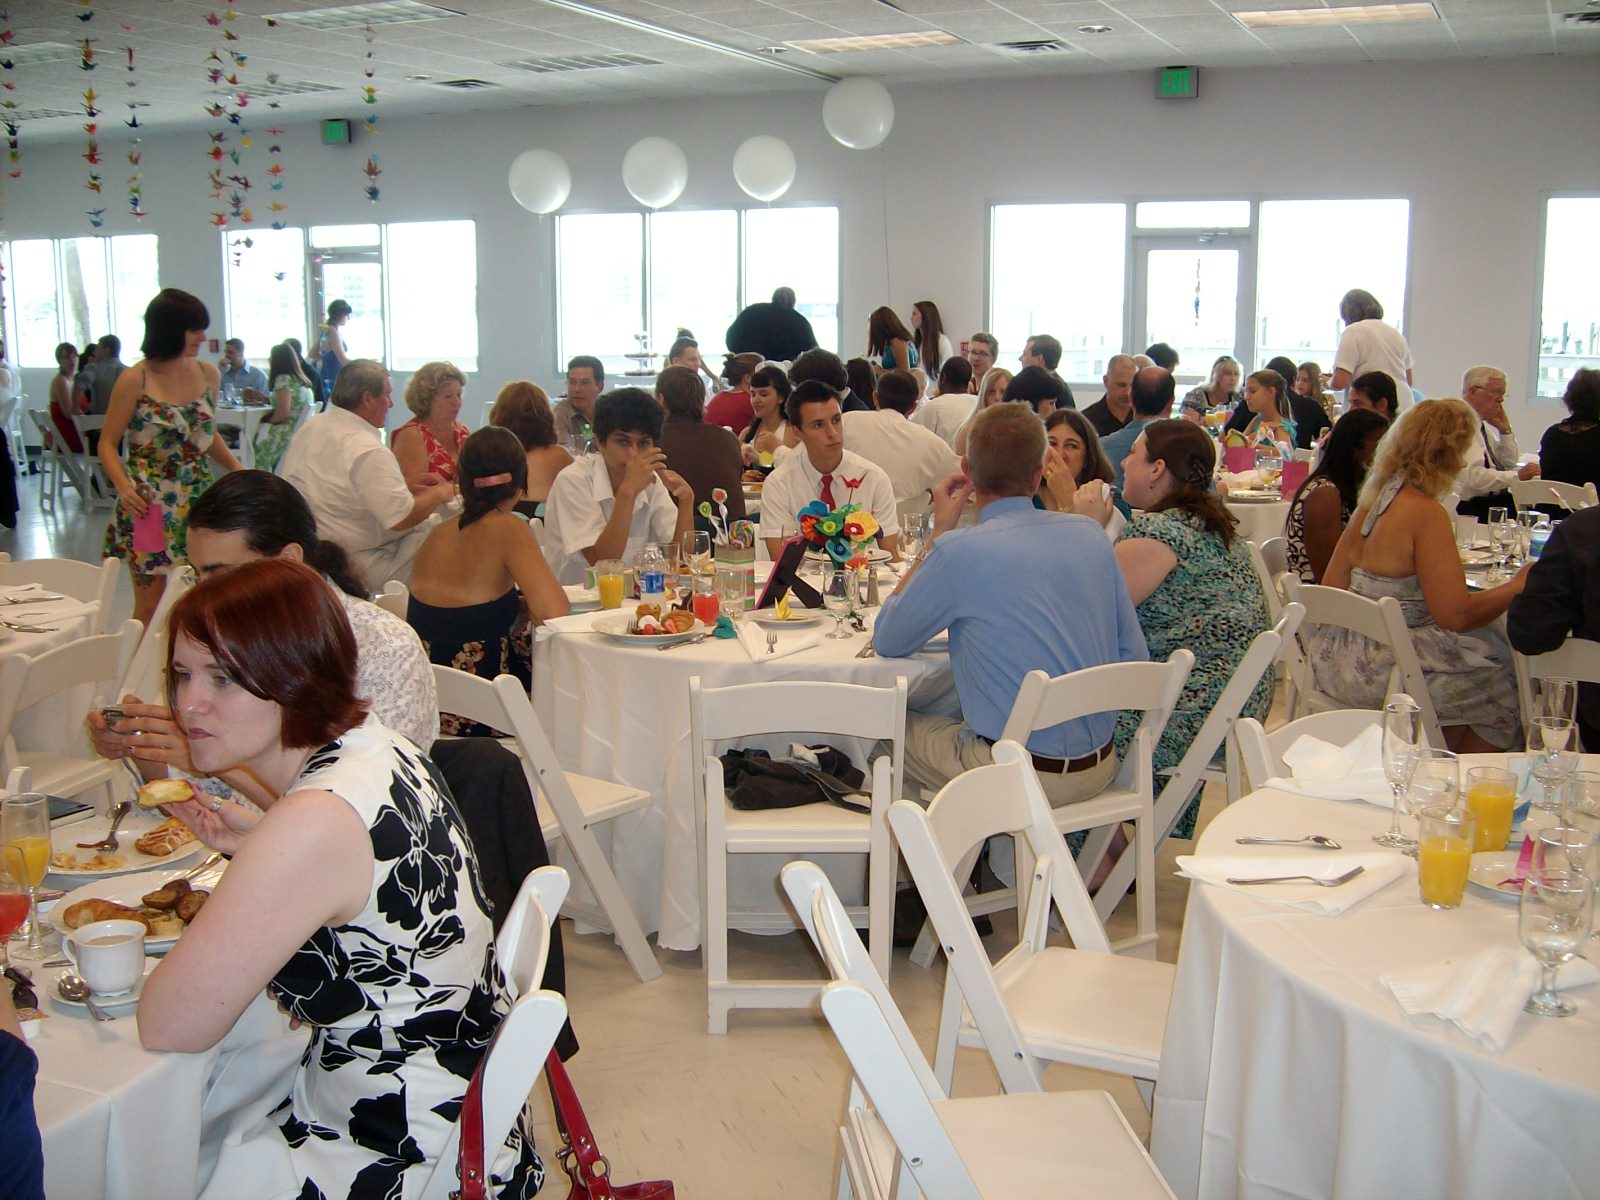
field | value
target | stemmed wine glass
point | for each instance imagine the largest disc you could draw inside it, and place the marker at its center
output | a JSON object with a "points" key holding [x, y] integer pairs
{"points": [[1554, 923], [1401, 733], [1556, 698], [697, 552], [838, 594], [1435, 783], [25, 845], [1552, 742]]}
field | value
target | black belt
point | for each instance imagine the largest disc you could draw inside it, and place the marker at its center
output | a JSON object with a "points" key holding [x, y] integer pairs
{"points": [[1068, 766]]}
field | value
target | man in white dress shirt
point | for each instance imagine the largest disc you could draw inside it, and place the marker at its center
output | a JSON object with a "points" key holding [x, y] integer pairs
{"points": [[353, 483], [611, 504], [821, 468], [1491, 463], [949, 409], [915, 459]]}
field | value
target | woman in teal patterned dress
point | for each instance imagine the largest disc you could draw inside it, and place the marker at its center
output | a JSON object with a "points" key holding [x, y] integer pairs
{"points": [[1191, 579], [291, 398], [164, 403]]}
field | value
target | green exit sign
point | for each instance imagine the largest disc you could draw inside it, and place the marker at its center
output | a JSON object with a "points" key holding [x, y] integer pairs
{"points": [[1177, 83]]}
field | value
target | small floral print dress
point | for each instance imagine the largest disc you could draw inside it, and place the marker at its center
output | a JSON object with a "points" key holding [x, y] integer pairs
{"points": [[167, 447]]}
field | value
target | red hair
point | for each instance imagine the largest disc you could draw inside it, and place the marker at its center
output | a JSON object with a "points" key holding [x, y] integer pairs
{"points": [[275, 626]]}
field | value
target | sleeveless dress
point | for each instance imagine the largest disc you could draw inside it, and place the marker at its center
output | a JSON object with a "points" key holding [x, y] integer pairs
{"points": [[479, 639], [1470, 679], [1294, 527], [439, 460], [167, 447], [401, 1001], [888, 356], [1211, 603], [272, 440]]}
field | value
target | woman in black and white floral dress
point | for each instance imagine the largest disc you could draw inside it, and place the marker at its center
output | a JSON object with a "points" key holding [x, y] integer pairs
{"points": [[355, 900]]}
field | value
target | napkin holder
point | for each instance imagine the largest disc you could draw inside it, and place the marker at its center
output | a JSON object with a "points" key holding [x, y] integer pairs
{"points": [[1294, 474], [733, 556], [1237, 460]]}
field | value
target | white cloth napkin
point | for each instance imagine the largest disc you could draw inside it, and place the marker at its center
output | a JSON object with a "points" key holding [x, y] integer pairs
{"points": [[1382, 869], [1329, 772], [1480, 994], [754, 640], [28, 591], [571, 623]]}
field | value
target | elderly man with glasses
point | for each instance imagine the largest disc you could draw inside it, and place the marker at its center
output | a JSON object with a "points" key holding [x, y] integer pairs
{"points": [[1492, 458]]}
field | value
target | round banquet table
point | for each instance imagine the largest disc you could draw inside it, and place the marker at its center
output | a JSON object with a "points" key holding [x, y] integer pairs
{"points": [[1259, 519], [1289, 1071], [56, 725], [621, 712]]}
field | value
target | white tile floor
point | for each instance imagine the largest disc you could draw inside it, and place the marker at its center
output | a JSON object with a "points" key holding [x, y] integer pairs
{"points": [[751, 1114]]}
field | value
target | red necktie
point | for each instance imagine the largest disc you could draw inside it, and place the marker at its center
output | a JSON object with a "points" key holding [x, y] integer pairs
{"points": [[827, 490]]}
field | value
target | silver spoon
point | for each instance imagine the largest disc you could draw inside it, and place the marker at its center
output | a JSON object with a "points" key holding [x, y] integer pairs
{"points": [[1334, 882], [75, 987], [109, 842], [1313, 839]]}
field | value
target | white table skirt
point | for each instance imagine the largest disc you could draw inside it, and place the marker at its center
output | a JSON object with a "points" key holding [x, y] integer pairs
{"points": [[1260, 519], [246, 418], [622, 712], [56, 725], [1288, 1071]]}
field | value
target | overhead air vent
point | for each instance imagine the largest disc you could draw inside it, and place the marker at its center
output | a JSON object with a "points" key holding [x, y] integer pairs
{"points": [[288, 89], [1582, 18], [466, 85], [580, 62], [39, 52], [42, 114], [1030, 49], [358, 16]]}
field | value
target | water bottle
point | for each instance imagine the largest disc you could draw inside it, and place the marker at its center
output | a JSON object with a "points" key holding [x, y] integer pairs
{"points": [[651, 568], [1539, 535]]}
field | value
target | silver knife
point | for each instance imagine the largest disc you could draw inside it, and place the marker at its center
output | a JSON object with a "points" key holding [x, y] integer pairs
{"points": [[693, 641]]}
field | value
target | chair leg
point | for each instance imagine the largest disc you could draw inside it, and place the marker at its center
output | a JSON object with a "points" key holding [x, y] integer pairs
{"points": [[944, 1048], [716, 939], [607, 891], [880, 908]]}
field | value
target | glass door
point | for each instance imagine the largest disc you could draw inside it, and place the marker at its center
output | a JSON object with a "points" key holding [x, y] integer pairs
{"points": [[347, 264], [1194, 292]]}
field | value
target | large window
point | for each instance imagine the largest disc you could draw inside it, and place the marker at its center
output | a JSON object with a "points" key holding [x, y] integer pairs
{"points": [[266, 289], [1569, 309], [1059, 269], [627, 282], [78, 289], [1311, 253], [433, 293]]}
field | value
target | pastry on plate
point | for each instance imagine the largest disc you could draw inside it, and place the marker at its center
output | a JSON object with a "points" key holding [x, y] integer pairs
{"points": [[169, 836], [165, 791]]}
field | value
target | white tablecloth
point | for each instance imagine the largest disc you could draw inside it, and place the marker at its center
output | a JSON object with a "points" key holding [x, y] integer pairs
{"points": [[622, 712], [1288, 1071], [247, 420], [1259, 519], [55, 726]]}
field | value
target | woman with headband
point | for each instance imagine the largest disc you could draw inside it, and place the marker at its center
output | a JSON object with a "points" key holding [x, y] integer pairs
{"points": [[480, 578]]}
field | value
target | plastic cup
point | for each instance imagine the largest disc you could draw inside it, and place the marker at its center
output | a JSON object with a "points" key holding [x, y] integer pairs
{"points": [[1444, 855], [608, 580], [1491, 798]]}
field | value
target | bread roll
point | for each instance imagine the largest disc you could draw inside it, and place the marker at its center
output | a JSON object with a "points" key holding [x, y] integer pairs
{"points": [[87, 912], [165, 791]]}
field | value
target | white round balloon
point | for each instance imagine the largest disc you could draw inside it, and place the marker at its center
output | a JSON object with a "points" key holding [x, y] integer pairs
{"points": [[858, 112], [655, 172], [540, 180], [764, 167]]}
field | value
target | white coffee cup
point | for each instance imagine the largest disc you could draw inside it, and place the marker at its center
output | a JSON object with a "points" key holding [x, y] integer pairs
{"points": [[108, 954]]}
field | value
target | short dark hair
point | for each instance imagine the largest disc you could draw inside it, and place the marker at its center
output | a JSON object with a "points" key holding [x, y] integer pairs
{"points": [[783, 297], [955, 375], [1582, 396], [112, 343], [626, 410], [490, 453], [168, 321], [1152, 392], [60, 346], [682, 392], [771, 375], [989, 340], [682, 343], [1377, 385], [596, 367], [357, 378], [280, 633], [1163, 355], [271, 514], [822, 365], [1047, 348], [524, 408], [1285, 367], [235, 344], [339, 308], [811, 391], [1034, 385], [899, 390]]}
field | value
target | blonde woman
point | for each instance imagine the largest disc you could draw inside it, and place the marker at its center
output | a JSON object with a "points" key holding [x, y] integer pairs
{"points": [[991, 391], [427, 446], [1220, 391], [1401, 542]]}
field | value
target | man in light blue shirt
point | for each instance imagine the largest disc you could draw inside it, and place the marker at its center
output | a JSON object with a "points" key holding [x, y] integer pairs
{"points": [[1152, 400], [1022, 590], [245, 381]]}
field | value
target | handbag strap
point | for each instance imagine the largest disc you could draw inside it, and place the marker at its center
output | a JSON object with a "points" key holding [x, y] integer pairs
{"points": [[580, 1157], [470, 1166]]}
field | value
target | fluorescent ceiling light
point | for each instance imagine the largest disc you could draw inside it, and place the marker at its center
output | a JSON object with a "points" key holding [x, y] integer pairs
{"points": [[1350, 14], [877, 41], [356, 16]]}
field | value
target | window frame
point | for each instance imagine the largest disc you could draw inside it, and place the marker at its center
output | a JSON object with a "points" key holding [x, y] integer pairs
{"points": [[58, 285], [1536, 339]]}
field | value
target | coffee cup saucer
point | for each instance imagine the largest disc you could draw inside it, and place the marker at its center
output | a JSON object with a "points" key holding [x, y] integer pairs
{"points": [[121, 1000]]}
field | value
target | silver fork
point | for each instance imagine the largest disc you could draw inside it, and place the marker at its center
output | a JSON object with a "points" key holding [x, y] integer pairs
{"points": [[772, 641], [1334, 882], [109, 842]]}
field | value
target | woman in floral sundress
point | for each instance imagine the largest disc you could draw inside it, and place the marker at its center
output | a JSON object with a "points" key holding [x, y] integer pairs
{"points": [[164, 403]]}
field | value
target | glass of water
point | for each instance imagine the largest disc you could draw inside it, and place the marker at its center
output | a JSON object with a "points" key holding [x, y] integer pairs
{"points": [[838, 595], [1554, 923]]}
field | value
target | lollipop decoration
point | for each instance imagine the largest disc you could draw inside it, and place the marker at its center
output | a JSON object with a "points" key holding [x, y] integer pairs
{"points": [[719, 522]]}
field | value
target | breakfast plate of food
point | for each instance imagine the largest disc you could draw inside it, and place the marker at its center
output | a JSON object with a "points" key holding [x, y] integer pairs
{"points": [[164, 902], [144, 840], [648, 625]]}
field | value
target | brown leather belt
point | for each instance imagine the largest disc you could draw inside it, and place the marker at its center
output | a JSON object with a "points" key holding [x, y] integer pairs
{"points": [[1068, 766]]}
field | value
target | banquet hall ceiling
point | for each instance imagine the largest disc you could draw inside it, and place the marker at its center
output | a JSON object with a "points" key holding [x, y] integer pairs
{"points": [[497, 53]]}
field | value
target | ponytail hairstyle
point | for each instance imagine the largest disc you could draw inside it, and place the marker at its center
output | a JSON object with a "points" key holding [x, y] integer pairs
{"points": [[272, 515], [1280, 390], [1190, 458], [493, 468]]}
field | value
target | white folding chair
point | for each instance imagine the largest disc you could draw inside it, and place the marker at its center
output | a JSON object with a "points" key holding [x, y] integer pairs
{"points": [[1271, 559], [1261, 753], [92, 583], [24, 682], [1384, 622], [394, 598], [791, 706], [146, 674], [1083, 1005], [57, 467], [523, 943], [90, 473], [1528, 493], [1577, 658], [902, 1135]]}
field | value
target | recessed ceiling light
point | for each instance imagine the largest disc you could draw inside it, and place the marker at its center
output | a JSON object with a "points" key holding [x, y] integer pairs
{"points": [[1094, 29], [878, 41], [1350, 14]]}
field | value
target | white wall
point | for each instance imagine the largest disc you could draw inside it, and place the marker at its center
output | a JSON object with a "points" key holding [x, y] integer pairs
{"points": [[1475, 145]]}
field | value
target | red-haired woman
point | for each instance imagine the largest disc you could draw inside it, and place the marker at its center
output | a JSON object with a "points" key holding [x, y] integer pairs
{"points": [[354, 900]]}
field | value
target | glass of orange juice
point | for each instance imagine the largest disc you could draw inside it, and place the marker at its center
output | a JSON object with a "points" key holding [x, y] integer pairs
{"points": [[608, 579], [1491, 796], [1444, 855], [25, 842]]}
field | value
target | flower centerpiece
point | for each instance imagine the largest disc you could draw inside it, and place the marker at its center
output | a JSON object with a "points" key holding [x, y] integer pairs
{"points": [[843, 533]]}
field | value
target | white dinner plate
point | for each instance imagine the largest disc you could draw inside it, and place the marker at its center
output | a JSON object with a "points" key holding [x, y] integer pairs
{"points": [[1490, 868], [875, 554], [129, 890], [1253, 497], [616, 627], [1476, 558], [127, 999], [134, 826], [797, 616]]}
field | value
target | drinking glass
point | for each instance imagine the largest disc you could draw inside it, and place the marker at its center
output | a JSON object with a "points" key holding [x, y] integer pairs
{"points": [[704, 598], [1435, 784], [1556, 698], [1401, 731], [609, 582], [730, 591], [696, 547], [1466, 531], [669, 551], [913, 535], [25, 843], [1492, 798], [1502, 546], [838, 595], [1553, 743], [1526, 520], [1554, 923], [13, 903], [1580, 805], [1444, 855]]}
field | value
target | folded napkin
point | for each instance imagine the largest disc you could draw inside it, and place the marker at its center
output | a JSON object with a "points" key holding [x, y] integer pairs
{"points": [[571, 623], [578, 594], [1480, 994], [1382, 869], [754, 640], [1329, 772]]}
